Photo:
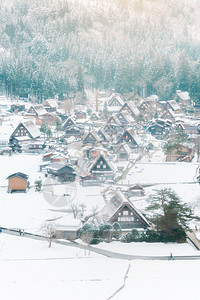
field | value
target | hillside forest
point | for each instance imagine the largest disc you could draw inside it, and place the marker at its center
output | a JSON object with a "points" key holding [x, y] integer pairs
{"points": [[63, 47]]}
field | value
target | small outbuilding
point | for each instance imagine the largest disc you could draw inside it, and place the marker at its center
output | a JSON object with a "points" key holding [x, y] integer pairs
{"points": [[17, 182]]}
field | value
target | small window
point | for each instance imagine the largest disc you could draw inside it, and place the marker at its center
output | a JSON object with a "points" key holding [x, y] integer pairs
{"points": [[125, 213]]}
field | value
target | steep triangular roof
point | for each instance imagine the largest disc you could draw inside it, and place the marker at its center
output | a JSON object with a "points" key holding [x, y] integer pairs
{"points": [[51, 103], [125, 146], [69, 122], [30, 127], [39, 109], [132, 133], [183, 95], [131, 106], [101, 132], [115, 100], [168, 111], [94, 134], [173, 104], [113, 120], [98, 160], [115, 204]]}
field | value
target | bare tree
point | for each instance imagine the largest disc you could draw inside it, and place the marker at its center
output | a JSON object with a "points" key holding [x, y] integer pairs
{"points": [[86, 238], [74, 208], [49, 231]]}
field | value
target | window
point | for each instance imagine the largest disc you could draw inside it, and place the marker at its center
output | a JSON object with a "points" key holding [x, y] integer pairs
{"points": [[104, 166], [125, 219], [98, 166], [125, 213]]}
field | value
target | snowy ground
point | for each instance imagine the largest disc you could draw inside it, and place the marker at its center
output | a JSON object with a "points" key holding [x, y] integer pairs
{"points": [[149, 249], [30, 210], [31, 270], [154, 173], [155, 280]]}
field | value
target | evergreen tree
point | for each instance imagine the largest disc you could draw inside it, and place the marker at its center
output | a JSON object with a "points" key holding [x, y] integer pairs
{"points": [[170, 215]]}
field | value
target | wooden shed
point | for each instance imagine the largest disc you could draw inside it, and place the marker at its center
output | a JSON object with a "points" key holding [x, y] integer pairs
{"points": [[17, 182]]}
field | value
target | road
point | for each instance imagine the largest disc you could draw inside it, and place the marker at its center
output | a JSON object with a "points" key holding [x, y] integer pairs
{"points": [[106, 253]]}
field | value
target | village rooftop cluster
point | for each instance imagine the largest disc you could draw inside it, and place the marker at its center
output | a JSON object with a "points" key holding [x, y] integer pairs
{"points": [[95, 146]]}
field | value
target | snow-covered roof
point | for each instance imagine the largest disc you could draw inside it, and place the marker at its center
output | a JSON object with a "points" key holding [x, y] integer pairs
{"points": [[111, 166], [114, 204], [94, 134], [183, 95], [32, 129], [112, 98], [132, 107], [174, 105], [39, 109], [51, 102]]}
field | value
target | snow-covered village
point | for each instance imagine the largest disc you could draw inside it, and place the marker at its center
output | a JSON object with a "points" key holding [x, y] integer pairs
{"points": [[99, 150]]}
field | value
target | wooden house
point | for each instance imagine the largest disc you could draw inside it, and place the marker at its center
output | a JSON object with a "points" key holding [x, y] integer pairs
{"points": [[61, 171], [47, 156], [95, 152], [123, 152], [114, 123], [69, 122], [102, 169], [120, 209], [156, 129], [17, 182], [131, 109], [130, 137], [182, 152], [24, 131], [91, 138], [110, 130], [168, 114], [135, 190], [36, 147], [49, 119], [36, 111], [144, 106], [104, 137], [94, 117], [50, 105], [58, 158], [80, 112], [75, 131], [183, 98], [173, 105], [125, 119], [114, 103], [17, 107]]}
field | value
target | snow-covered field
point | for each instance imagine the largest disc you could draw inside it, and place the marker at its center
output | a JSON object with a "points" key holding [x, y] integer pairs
{"points": [[150, 249], [154, 173], [155, 280], [31, 270]]}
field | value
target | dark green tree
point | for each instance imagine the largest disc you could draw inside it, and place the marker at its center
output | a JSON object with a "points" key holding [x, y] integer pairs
{"points": [[170, 215]]}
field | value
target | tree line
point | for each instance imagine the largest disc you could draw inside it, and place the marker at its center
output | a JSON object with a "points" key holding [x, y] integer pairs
{"points": [[143, 47]]}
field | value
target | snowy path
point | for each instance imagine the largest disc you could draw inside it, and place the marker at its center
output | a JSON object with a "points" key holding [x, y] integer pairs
{"points": [[103, 252]]}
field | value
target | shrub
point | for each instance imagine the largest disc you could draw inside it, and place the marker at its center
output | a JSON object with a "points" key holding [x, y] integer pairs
{"points": [[95, 241]]}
